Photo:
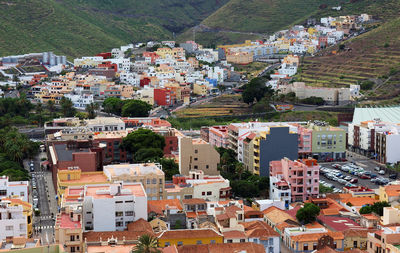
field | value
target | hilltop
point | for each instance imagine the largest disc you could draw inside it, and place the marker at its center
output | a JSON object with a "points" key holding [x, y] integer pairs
{"points": [[77, 27]]}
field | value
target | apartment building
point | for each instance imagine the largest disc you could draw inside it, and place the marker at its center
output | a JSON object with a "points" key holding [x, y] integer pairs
{"points": [[112, 141], [380, 240], [13, 189], [13, 223], [100, 124], [327, 142], [301, 176], [27, 212], [124, 202], [387, 144], [198, 185], [196, 154], [149, 174], [68, 230], [181, 237], [218, 136]]}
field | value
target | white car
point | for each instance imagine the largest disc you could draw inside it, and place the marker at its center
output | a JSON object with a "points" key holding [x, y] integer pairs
{"points": [[381, 172]]}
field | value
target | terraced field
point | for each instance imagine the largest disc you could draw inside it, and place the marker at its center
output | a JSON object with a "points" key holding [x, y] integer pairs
{"points": [[373, 56], [224, 105]]}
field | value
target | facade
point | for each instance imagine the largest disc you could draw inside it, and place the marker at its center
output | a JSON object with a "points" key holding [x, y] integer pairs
{"points": [[13, 189], [100, 124], [218, 136], [378, 241], [301, 176], [196, 154], [68, 229], [112, 141], [125, 203], [327, 142], [149, 174], [387, 145], [27, 211], [13, 223]]}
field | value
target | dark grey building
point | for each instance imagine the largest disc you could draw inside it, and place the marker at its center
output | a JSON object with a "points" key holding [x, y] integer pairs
{"points": [[279, 143]]}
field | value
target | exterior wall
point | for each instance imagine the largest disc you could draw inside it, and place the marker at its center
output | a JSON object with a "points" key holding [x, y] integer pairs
{"points": [[64, 237], [392, 148], [113, 152], [197, 156], [202, 191], [328, 142], [185, 241], [272, 245], [299, 246], [351, 242], [218, 136], [13, 188], [278, 144], [13, 223]]}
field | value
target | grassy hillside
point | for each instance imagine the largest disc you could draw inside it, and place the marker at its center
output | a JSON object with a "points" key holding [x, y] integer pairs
{"points": [[77, 27], [372, 56]]}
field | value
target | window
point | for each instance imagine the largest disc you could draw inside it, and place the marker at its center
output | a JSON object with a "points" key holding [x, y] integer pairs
{"points": [[160, 180], [22, 194], [9, 228], [72, 238], [305, 246], [89, 213], [166, 244], [271, 241], [207, 166], [119, 223], [195, 159], [196, 151], [209, 193], [229, 241], [314, 246], [196, 167], [203, 193], [334, 245], [72, 249], [180, 243], [198, 242], [129, 201], [118, 202], [154, 181], [77, 237], [118, 214], [129, 213], [148, 181], [212, 241], [355, 244], [242, 240]]}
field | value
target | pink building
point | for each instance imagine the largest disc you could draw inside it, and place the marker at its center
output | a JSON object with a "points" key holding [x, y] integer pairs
{"points": [[218, 136], [302, 177], [305, 141]]}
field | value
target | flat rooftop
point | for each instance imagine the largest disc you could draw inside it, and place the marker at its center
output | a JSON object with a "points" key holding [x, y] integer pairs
{"points": [[65, 154], [139, 169]]}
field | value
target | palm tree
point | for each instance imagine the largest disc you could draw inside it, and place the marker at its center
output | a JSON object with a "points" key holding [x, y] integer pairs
{"points": [[50, 106], [146, 244], [91, 110], [239, 169]]}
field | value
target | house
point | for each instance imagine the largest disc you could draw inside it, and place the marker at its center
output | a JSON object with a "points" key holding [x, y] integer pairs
{"points": [[356, 238], [260, 232], [13, 189], [379, 240], [68, 229], [13, 221], [389, 193], [189, 237], [247, 247]]}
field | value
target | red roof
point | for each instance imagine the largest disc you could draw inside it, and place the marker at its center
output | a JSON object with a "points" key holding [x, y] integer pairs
{"points": [[338, 223]]}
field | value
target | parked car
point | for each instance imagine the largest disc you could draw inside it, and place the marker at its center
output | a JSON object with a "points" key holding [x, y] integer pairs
{"points": [[381, 172], [373, 175], [337, 166], [354, 180], [365, 176], [393, 176], [348, 178], [377, 168]]}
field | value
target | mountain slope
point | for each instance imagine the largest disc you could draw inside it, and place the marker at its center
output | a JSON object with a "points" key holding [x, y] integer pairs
{"points": [[373, 56], [76, 27]]}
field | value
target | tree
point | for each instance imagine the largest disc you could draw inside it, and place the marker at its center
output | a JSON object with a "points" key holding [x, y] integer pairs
{"points": [[91, 110], [67, 107], [151, 143], [148, 154], [113, 105], [256, 90], [170, 167], [135, 108], [377, 207], [239, 169], [308, 213], [51, 107], [146, 244], [365, 210]]}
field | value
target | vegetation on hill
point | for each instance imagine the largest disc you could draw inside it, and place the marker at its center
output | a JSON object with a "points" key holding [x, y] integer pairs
{"points": [[371, 57], [78, 27]]}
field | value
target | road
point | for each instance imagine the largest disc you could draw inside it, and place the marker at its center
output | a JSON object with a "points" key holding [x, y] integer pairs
{"points": [[269, 68], [44, 224]]}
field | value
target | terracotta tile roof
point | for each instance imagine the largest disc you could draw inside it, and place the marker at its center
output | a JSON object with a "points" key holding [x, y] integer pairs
{"points": [[330, 211], [135, 230], [189, 233], [357, 232], [193, 201], [359, 201], [281, 227], [270, 209], [234, 234], [370, 216], [315, 236], [170, 249], [248, 247], [292, 212], [277, 216], [158, 206], [258, 229]]}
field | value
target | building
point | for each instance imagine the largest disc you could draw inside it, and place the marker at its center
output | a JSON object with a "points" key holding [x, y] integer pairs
{"points": [[387, 144], [125, 202], [68, 229], [258, 143], [248, 247], [27, 211], [73, 176], [260, 232], [242, 58], [196, 154], [13, 189], [327, 142], [149, 174], [218, 136], [335, 96], [384, 114], [198, 185], [378, 241], [389, 193], [112, 141], [189, 237], [300, 176], [13, 222], [100, 124], [164, 96], [390, 216]]}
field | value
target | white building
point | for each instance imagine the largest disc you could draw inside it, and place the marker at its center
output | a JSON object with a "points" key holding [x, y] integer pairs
{"points": [[100, 124], [129, 78], [207, 187], [80, 101], [287, 69], [279, 189], [111, 207], [13, 223], [10, 189]]}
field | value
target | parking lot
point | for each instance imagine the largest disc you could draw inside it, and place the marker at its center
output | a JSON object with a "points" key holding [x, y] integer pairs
{"points": [[357, 167]]}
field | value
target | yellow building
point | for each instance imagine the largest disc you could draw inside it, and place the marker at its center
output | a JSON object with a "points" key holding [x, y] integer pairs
{"points": [[389, 193], [256, 152], [245, 44], [355, 238], [200, 89], [27, 211], [189, 237], [75, 177], [68, 230], [239, 57], [164, 51]]}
